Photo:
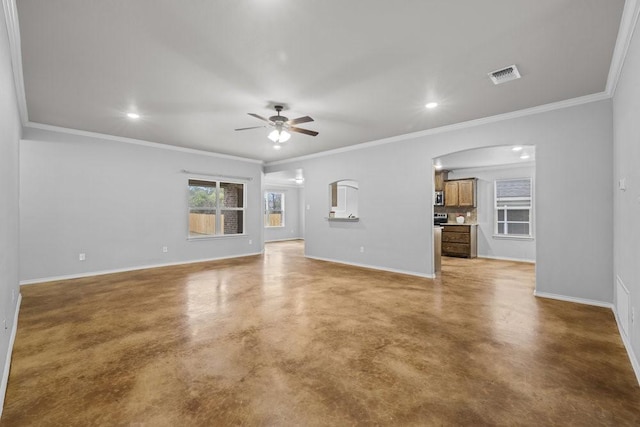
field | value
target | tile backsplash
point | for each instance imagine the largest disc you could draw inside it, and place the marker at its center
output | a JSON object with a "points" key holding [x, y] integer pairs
{"points": [[452, 212]]}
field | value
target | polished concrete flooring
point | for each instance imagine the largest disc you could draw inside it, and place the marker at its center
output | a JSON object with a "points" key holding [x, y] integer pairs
{"points": [[283, 340]]}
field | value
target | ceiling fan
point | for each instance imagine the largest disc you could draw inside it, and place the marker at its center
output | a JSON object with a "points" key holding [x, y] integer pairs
{"points": [[282, 126]]}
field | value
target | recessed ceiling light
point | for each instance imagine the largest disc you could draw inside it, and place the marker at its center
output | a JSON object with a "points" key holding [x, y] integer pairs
{"points": [[517, 148], [432, 105], [524, 156], [133, 115]]}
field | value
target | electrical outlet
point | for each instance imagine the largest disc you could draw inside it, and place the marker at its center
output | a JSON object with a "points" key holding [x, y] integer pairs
{"points": [[361, 249], [82, 256], [250, 242], [308, 207], [468, 214], [165, 249]]}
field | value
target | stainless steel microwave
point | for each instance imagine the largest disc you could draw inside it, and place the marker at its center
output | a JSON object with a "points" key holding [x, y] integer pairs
{"points": [[438, 200]]}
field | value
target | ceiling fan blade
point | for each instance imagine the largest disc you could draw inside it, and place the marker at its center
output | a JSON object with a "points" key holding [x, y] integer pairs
{"points": [[252, 127], [305, 131], [304, 119], [259, 117]]}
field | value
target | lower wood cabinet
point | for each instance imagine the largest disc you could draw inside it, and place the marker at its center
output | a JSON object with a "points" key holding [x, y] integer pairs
{"points": [[460, 240]]}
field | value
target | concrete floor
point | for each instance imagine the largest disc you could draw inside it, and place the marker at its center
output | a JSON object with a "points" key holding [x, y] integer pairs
{"points": [[283, 340]]}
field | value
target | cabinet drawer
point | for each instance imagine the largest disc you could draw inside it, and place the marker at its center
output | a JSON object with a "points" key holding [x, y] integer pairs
{"points": [[456, 228], [455, 248], [456, 237]]}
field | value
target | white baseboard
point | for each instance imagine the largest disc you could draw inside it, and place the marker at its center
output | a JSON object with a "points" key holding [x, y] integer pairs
{"points": [[7, 363], [627, 345], [574, 299], [374, 267], [284, 240], [123, 270], [501, 258]]}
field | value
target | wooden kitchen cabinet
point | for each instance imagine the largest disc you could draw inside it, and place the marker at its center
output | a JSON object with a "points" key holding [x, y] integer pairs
{"points": [[460, 193], [440, 178], [460, 240]]}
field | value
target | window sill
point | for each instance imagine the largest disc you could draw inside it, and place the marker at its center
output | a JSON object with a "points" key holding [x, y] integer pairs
{"points": [[511, 237], [343, 219], [219, 236], [274, 226]]}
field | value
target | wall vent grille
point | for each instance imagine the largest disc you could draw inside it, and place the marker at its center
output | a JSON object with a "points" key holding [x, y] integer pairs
{"points": [[504, 75]]}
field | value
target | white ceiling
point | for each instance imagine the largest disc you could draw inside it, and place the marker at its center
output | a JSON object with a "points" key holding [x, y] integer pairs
{"points": [[363, 69]]}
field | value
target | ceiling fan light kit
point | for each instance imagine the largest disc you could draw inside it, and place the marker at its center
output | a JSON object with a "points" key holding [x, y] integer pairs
{"points": [[282, 126]]}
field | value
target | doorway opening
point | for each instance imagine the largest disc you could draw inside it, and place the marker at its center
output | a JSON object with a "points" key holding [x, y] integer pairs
{"points": [[484, 205]]}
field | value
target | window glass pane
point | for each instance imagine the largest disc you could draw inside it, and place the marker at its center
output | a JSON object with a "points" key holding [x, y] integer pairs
{"points": [[201, 224], [501, 215], [500, 228], [274, 209], [202, 194], [518, 215], [232, 222], [231, 195], [273, 220], [519, 229], [202, 212]]}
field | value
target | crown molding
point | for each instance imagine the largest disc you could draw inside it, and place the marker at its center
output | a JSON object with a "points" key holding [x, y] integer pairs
{"points": [[625, 34], [13, 32], [456, 126], [108, 137], [628, 22]]}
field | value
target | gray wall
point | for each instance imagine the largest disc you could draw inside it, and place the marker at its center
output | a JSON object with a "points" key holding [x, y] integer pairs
{"points": [[119, 203], [292, 218], [489, 246], [9, 216], [573, 170], [626, 119]]}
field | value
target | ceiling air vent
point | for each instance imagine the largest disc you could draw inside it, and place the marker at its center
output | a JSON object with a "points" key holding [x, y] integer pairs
{"points": [[504, 74]]}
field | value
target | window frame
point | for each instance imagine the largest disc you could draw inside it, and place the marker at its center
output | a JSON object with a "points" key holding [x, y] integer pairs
{"points": [[282, 210], [497, 208], [219, 208]]}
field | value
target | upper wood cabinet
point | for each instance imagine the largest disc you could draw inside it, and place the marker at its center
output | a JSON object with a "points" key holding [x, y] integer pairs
{"points": [[440, 178], [460, 193]]}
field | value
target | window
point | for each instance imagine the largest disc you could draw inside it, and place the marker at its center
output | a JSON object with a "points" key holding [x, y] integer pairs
{"points": [[215, 208], [513, 207], [273, 209]]}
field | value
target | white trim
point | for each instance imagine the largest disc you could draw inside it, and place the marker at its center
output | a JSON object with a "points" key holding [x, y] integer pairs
{"points": [[628, 22], [124, 270], [7, 363], [288, 239], [268, 184], [501, 258], [373, 267], [13, 32], [107, 137], [627, 345], [453, 127], [573, 299]]}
